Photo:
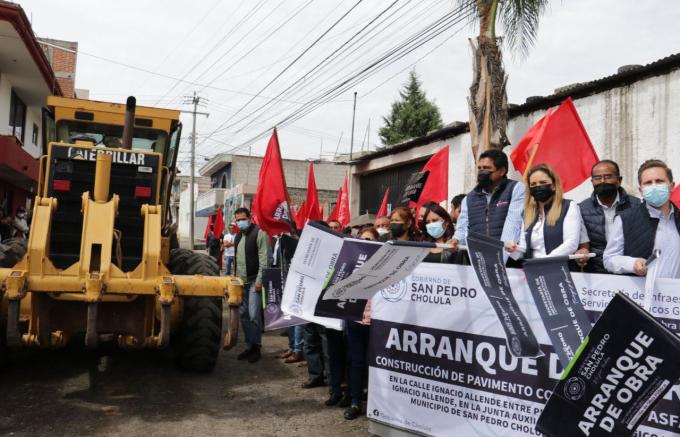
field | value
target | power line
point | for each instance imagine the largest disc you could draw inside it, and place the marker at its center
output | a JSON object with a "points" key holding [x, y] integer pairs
{"points": [[310, 72], [184, 39], [414, 42], [292, 62], [217, 44], [335, 57], [262, 41]]}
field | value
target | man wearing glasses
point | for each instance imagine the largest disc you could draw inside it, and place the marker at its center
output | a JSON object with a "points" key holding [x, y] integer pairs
{"points": [[600, 210]]}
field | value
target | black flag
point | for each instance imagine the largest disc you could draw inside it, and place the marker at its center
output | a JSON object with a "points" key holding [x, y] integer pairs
{"points": [[626, 364], [558, 304], [414, 187], [486, 255]]}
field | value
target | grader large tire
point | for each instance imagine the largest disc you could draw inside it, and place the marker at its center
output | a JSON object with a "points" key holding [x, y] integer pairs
{"points": [[198, 341], [12, 251]]}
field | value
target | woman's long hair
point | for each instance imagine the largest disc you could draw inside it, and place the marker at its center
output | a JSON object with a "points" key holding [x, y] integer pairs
{"points": [[407, 216], [448, 223], [530, 204]]}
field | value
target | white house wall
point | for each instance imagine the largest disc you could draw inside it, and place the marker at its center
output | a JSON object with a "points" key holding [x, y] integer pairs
{"points": [[628, 124], [33, 115]]}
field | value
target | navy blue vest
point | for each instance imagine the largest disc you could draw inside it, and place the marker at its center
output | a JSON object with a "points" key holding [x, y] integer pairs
{"points": [[593, 218], [489, 218], [553, 236], [639, 231]]}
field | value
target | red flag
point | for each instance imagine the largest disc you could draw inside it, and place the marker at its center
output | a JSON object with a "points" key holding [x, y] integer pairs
{"points": [[437, 185], [218, 228], [271, 204], [675, 196], [312, 202], [334, 214], [207, 227], [383, 206], [343, 215], [301, 216], [521, 154], [563, 143]]}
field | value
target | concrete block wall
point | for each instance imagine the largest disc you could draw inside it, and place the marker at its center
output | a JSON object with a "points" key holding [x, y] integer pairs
{"points": [[628, 124]]}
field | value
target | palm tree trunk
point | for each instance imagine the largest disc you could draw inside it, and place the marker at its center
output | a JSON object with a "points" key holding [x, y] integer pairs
{"points": [[488, 101]]}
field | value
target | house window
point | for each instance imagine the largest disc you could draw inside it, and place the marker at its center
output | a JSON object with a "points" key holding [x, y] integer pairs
{"points": [[36, 132], [17, 117]]}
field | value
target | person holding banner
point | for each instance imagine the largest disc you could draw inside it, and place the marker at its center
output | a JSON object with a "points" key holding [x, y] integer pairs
{"points": [[494, 206], [651, 226], [437, 228], [357, 345], [552, 224], [599, 211], [402, 224]]}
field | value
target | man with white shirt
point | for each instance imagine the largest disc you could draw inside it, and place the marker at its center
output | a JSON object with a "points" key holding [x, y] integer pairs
{"points": [[599, 211], [653, 225]]}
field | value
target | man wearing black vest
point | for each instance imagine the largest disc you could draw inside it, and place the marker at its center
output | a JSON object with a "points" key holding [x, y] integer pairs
{"points": [[653, 225], [494, 207], [599, 211], [252, 255]]}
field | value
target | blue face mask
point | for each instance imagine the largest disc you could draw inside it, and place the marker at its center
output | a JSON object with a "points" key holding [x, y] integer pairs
{"points": [[243, 224], [435, 229], [656, 195]]}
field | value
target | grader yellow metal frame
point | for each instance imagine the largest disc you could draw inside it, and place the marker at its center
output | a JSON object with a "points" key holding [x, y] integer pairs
{"points": [[95, 278]]}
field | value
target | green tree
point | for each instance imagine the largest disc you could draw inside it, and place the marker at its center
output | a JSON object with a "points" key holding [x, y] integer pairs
{"points": [[411, 116], [488, 100]]}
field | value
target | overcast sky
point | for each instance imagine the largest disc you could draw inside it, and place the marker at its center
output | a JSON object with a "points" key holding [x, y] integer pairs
{"points": [[231, 50]]}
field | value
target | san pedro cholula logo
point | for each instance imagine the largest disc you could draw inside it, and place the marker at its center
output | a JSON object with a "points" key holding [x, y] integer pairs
{"points": [[281, 212]]}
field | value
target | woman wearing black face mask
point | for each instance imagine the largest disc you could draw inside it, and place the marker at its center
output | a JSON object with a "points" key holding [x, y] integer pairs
{"points": [[552, 224], [402, 224]]}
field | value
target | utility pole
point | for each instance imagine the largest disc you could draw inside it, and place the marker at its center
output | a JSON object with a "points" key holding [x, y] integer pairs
{"points": [[195, 100], [351, 150], [354, 113]]}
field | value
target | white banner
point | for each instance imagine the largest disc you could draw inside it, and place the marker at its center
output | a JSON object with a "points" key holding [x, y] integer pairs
{"points": [[390, 264], [313, 261], [439, 364]]}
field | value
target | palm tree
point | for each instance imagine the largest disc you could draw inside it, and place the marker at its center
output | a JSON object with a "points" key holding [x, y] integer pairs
{"points": [[488, 100]]}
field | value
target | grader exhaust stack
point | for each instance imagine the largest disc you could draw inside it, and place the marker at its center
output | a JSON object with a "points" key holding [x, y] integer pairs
{"points": [[129, 126]]}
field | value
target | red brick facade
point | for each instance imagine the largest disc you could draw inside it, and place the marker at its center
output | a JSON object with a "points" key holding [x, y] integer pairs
{"points": [[63, 56]]}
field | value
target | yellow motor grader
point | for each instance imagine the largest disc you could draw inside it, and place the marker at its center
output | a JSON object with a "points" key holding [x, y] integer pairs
{"points": [[102, 262]]}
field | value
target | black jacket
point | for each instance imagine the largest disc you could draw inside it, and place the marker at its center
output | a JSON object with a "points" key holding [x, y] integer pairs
{"points": [[593, 219]]}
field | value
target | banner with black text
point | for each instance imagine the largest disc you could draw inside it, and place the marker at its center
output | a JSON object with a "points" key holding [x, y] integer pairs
{"points": [[558, 303], [440, 364]]}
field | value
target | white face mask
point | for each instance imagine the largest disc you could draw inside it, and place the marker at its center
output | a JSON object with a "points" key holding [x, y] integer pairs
{"points": [[383, 231]]}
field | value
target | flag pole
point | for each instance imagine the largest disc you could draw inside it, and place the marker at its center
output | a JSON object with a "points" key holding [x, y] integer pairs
{"points": [[530, 162]]}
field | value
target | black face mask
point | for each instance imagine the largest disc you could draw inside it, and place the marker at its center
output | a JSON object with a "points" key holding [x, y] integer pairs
{"points": [[484, 179], [542, 193], [605, 189], [397, 229]]}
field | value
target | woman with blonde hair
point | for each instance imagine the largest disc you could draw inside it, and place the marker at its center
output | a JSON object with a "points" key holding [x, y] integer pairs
{"points": [[552, 224]]}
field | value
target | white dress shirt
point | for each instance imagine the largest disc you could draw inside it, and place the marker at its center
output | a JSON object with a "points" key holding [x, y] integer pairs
{"points": [[571, 234], [667, 241], [609, 216]]}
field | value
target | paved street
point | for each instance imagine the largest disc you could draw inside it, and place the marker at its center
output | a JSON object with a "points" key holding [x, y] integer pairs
{"points": [[132, 394]]}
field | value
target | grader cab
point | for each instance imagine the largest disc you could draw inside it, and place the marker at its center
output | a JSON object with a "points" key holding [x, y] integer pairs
{"points": [[101, 263]]}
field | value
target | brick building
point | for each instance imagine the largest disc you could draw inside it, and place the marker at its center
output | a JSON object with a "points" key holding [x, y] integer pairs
{"points": [[63, 56], [233, 182]]}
